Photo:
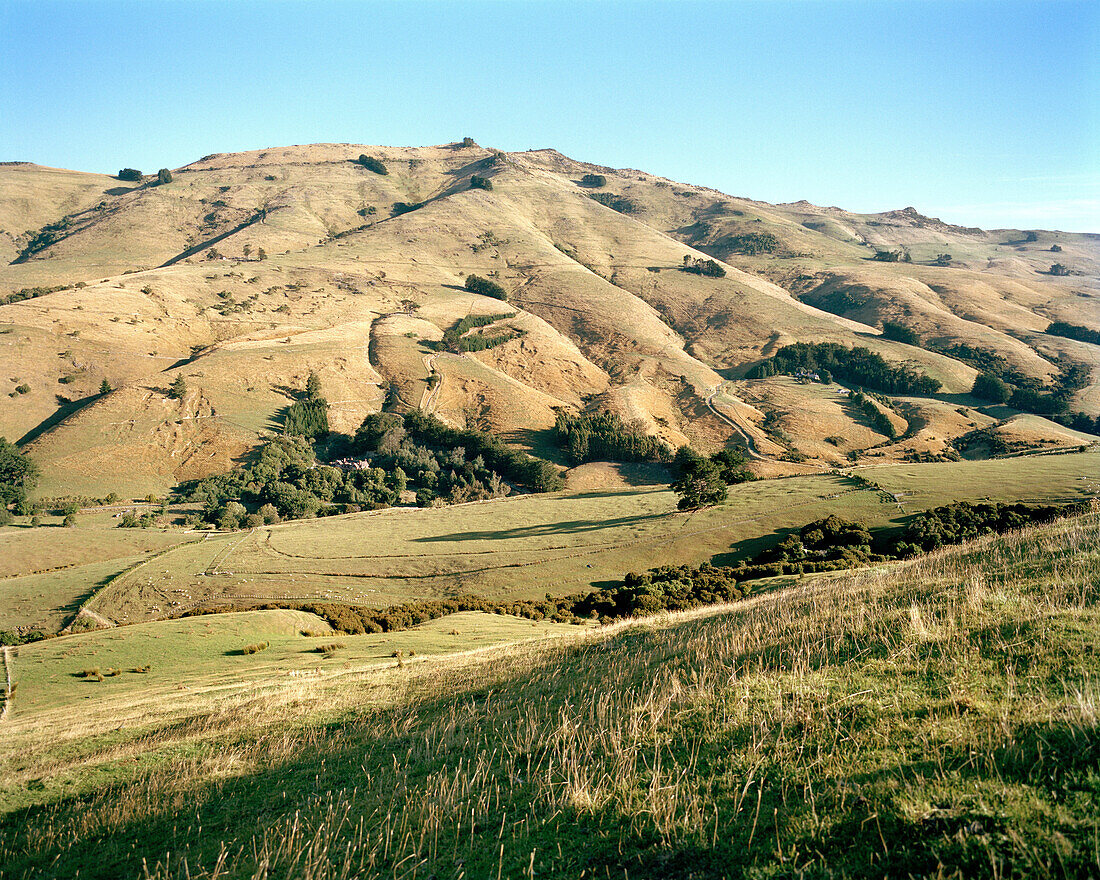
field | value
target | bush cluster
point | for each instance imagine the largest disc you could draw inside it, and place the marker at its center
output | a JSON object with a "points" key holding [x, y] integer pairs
{"points": [[752, 243], [594, 180], [1074, 331], [130, 174], [485, 287], [708, 268], [479, 182], [879, 420], [963, 521], [857, 366], [900, 333], [373, 164]]}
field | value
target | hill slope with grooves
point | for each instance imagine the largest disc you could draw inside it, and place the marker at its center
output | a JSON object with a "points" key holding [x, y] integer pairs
{"points": [[360, 269]]}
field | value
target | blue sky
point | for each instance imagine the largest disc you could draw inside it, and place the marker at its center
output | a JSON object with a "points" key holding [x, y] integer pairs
{"points": [[982, 113]]}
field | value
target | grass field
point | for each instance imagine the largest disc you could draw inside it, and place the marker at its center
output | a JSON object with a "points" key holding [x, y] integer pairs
{"points": [[527, 546], [932, 718], [46, 572]]}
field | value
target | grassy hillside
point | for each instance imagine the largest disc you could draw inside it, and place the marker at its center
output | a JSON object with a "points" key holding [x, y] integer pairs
{"points": [[932, 718]]}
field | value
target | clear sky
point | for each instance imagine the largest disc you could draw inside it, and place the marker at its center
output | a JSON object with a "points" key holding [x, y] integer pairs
{"points": [[982, 113]]}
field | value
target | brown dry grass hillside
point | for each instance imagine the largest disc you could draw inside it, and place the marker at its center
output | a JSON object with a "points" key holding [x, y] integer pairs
{"points": [[250, 270]]}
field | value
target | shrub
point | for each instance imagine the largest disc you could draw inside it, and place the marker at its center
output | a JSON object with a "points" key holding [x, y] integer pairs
{"points": [[478, 182], [485, 287], [69, 521], [1056, 249], [373, 164], [254, 649], [405, 207], [164, 176], [469, 142], [1059, 269], [23, 388], [130, 174], [900, 333], [594, 180]]}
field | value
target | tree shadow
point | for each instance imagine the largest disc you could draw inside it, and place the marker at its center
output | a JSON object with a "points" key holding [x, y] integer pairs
{"points": [[573, 527], [65, 409]]}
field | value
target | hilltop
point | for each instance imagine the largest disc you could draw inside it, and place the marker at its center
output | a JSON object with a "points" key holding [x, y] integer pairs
{"points": [[250, 270]]}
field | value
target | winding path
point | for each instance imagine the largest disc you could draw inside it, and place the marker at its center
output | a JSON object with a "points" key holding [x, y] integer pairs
{"points": [[750, 442]]}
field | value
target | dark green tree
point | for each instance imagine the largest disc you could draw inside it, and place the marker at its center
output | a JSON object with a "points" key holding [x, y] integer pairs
{"points": [[900, 333], [1059, 269], [700, 484], [164, 176], [131, 174], [17, 474], [594, 180], [105, 387], [178, 389], [478, 182], [991, 387]]}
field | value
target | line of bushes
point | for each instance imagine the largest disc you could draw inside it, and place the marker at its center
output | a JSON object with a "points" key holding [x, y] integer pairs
{"points": [[879, 420], [857, 366], [485, 287], [1074, 331], [616, 203]]}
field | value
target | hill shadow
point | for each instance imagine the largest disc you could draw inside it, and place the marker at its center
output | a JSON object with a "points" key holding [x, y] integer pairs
{"points": [[210, 242]]}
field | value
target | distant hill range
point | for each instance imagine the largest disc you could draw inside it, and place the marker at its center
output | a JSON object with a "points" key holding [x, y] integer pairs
{"points": [[625, 292]]}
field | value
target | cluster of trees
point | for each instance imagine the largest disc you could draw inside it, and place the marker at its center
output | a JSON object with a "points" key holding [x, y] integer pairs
{"points": [[702, 481], [616, 203], [595, 181], [308, 415], [1074, 331], [164, 176], [286, 481], [603, 436], [752, 243], [1059, 269], [999, 383], [373, 164], [485, 287], [857, 366], [18, 475], [456, 341], [709, 268], [406, 207], [479, 182], [129, 174]]}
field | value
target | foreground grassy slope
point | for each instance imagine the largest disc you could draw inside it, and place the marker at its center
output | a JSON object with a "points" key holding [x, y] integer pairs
{"points": [[934, 718]]}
